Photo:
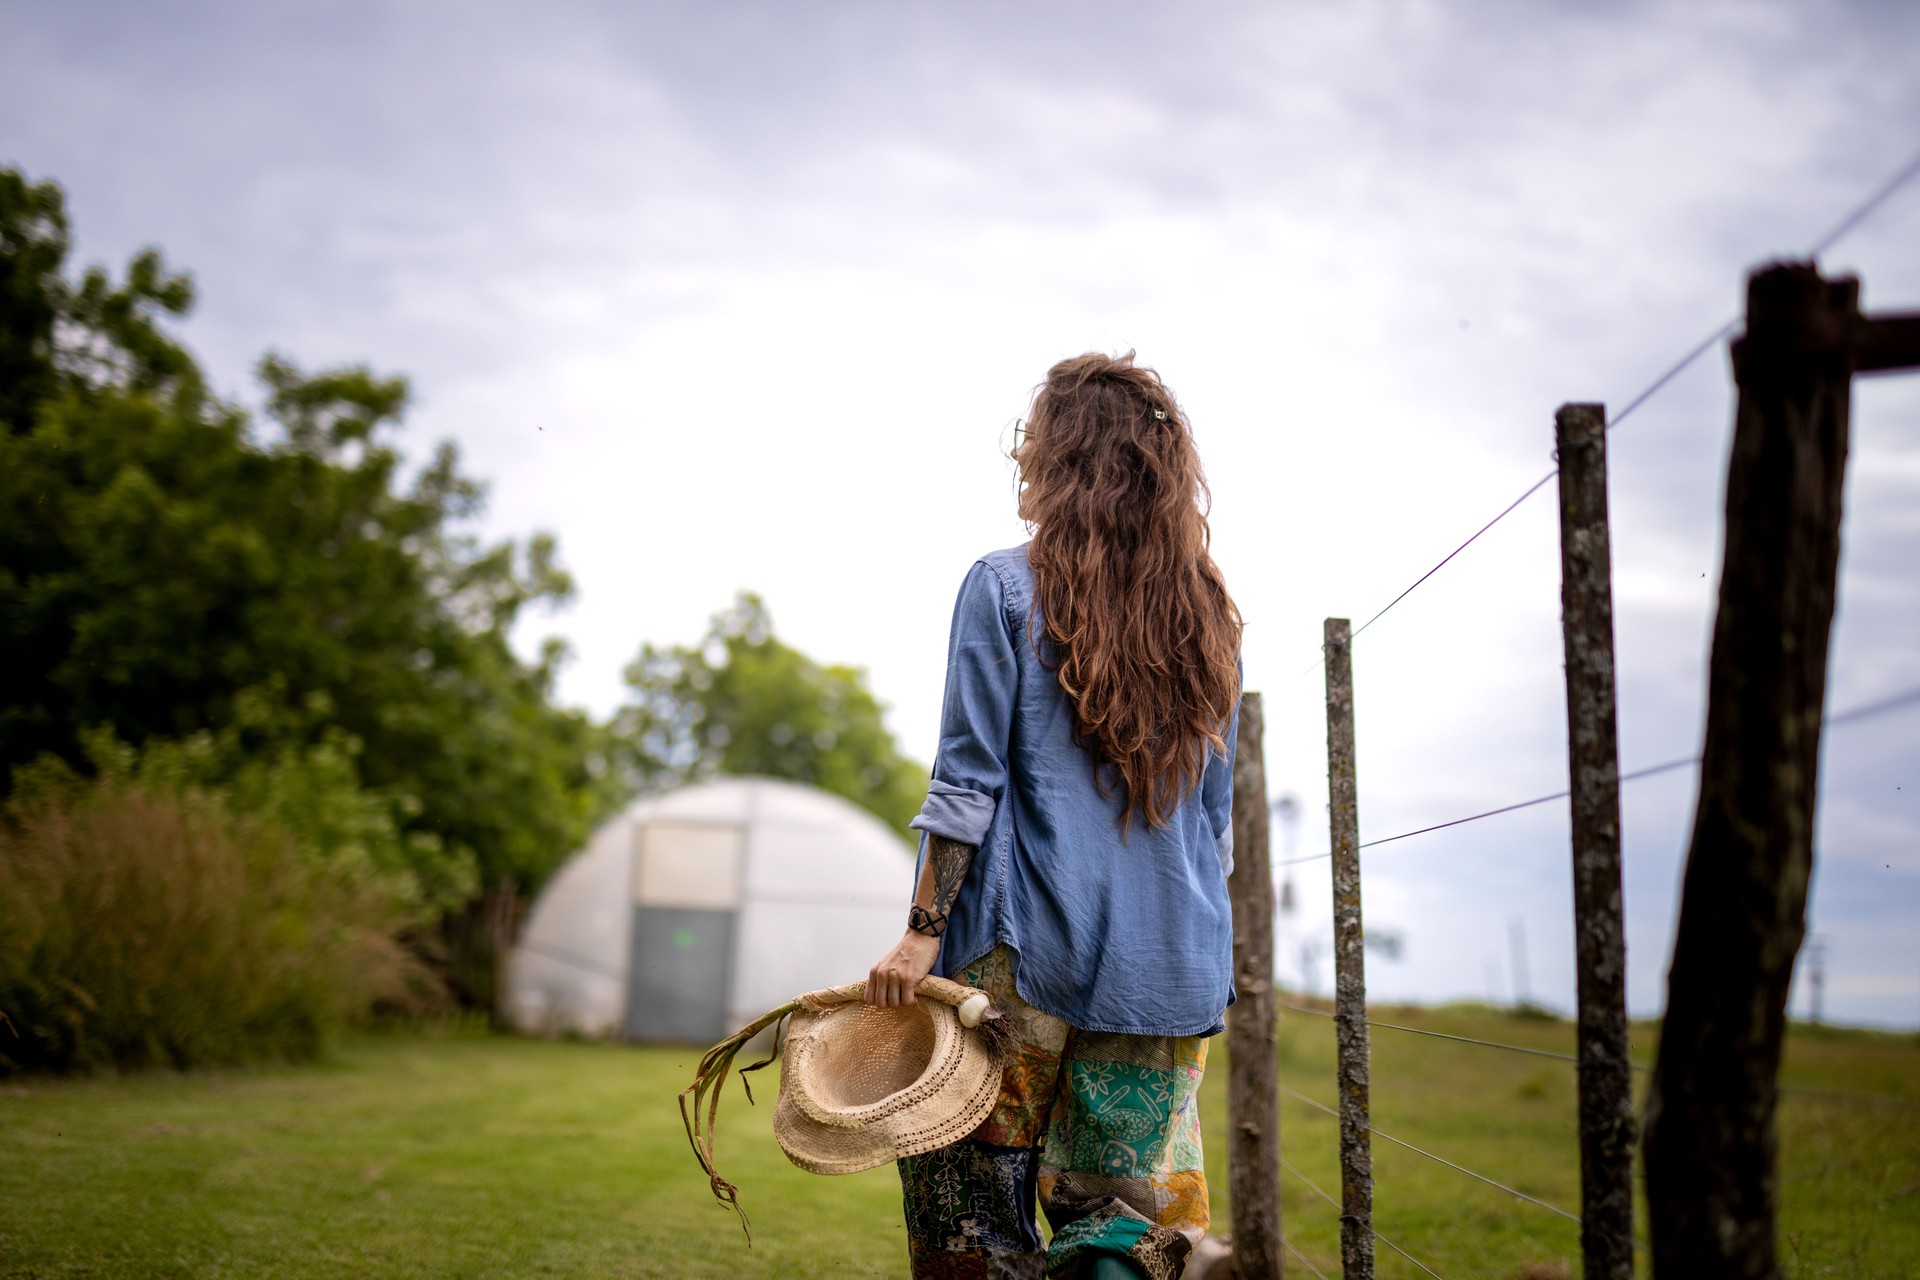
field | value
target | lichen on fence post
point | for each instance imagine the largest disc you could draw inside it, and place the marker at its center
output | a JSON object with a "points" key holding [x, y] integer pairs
{"points": [[1349, 961], [1253, 1102], [1593, 769]]}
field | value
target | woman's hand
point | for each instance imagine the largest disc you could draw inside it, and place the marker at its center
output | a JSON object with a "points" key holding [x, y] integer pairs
{"points": [[893, 980], [942, 873]]}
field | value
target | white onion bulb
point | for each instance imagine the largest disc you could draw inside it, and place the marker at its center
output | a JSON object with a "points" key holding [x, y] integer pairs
{"points": [[973, 1009]]}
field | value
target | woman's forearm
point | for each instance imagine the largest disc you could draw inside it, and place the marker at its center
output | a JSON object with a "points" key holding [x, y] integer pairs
{"points": [[941, 876], [893, 980]]}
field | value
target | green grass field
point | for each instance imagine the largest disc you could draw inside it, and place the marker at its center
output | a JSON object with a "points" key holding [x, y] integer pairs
{"points": [[472, 1155]]}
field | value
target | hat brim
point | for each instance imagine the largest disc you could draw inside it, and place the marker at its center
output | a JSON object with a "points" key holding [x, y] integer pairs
{"points": [[947, 1101]]}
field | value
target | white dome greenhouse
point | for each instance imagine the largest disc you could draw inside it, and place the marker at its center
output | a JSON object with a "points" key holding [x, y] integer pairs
{"points": [[695, 911]]}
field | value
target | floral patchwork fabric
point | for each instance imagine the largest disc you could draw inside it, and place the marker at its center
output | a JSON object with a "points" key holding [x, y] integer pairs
{"points": [[968, 1198], [1103, 1130]]}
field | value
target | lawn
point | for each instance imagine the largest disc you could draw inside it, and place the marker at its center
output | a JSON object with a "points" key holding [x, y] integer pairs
{"points": [[472, 1155], [1849, 1136]]}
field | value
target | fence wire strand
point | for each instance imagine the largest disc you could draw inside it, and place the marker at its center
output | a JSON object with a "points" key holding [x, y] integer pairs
{"points": [[1868, 207], [1860, 212], [1674, 370], [1852, 1097], [1853, 715], [1535, 488], [1338, 1208], [1303, 1258], [1458, 1168], [1438, 1035]]}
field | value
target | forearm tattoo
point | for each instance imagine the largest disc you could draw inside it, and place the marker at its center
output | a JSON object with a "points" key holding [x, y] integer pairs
{"points": [[949, 860]]}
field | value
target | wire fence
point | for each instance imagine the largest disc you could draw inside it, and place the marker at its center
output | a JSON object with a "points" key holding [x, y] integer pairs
{"points": [[1905, 700], [1908, 699]]}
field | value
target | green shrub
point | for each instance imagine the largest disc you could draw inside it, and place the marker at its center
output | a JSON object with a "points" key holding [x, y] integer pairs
{"points": [[293, 770], [146, 924]]}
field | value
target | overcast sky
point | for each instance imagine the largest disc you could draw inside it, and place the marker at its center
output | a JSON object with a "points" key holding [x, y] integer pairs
{"points": [[745, 296]]}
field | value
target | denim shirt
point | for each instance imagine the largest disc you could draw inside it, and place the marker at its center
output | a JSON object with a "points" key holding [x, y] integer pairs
{"points": [[1128, 934]]}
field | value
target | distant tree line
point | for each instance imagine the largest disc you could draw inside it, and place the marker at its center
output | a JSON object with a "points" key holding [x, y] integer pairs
{"points": [[269, 622]]}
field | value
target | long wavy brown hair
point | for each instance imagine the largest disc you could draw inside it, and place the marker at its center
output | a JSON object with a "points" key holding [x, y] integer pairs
{"points": [[1143, 634]]}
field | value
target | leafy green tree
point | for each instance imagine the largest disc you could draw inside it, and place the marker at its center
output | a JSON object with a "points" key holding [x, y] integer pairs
{"points": [[33, 249], [168, 560], [741, 702]]}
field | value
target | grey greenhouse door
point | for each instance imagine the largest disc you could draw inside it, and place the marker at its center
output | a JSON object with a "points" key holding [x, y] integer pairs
{"points": [[686, 889], [682, 967]]}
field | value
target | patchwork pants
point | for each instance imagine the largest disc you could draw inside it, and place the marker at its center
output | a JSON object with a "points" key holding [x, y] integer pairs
{"points": [[1103, 1129]]}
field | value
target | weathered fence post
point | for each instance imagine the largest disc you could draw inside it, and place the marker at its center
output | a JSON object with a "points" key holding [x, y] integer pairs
{"points": [[1253, 1098], [1710, 1111], [1593, 769], [1349, 962]]}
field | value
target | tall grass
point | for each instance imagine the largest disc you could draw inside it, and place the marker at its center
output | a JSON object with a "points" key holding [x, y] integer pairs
{"points": [[142, 925]]}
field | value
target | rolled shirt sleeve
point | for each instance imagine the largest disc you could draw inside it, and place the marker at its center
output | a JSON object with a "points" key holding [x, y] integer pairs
{"points": [[976, 718], [1216, 793]]}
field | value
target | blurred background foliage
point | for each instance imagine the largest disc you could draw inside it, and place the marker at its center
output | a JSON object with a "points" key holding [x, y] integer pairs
{"points": [[149, 920], [267, 635], [743, 702]]}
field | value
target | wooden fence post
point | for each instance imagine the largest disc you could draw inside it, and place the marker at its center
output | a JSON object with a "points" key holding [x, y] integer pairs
{"points": [[1593, 769], [1253, 1099], [1709, 1135], [1349, 962], [1710, 1110]]}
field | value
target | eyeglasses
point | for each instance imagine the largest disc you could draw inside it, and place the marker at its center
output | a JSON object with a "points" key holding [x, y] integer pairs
{"points": [[1018, 428]]}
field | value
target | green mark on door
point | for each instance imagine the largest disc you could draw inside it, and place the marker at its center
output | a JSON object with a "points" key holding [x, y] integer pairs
{"points": [[683, 939]]}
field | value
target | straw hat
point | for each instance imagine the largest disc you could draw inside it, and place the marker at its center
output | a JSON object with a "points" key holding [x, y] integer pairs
{"points": [[863, 1086]]}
